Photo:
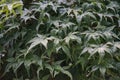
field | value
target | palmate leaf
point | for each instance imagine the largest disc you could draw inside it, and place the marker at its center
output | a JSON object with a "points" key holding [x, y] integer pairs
{"points": [[29, 60], [15, 65], [87, 50], [14, 26], [102, 67], [56, 72], [61, 24], [115, 45], [92, 6], [80, 17], [95, 35], [102, 50], [99, 5], [57, 41], [53, 6], [59, 68], [40, 39], [104, 33], [56, 23], [65, 2], [67, 24], [27, 15], [106, 16], [74, 12], [11, 9], [15, 5], [109, 34], [43, 5], [72, 36]]}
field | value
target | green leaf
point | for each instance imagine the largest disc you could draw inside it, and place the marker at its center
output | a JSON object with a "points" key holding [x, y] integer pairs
{"points": [[38, 72], [80, 17], [17, 65], [46, 77], [67, 51], [102, 49], [102, 70], [27, 64], [67, 73], [36, 41], [72, 36], [59, 68], [55, 73], [7, 68], [51, 69], [94, 68]]}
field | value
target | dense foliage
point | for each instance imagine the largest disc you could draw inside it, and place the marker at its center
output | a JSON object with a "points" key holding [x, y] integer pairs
{"points": [[60, 40]]}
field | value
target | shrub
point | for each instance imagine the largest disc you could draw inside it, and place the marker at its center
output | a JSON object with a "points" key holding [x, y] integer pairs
{"points": [[60, 40]]}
